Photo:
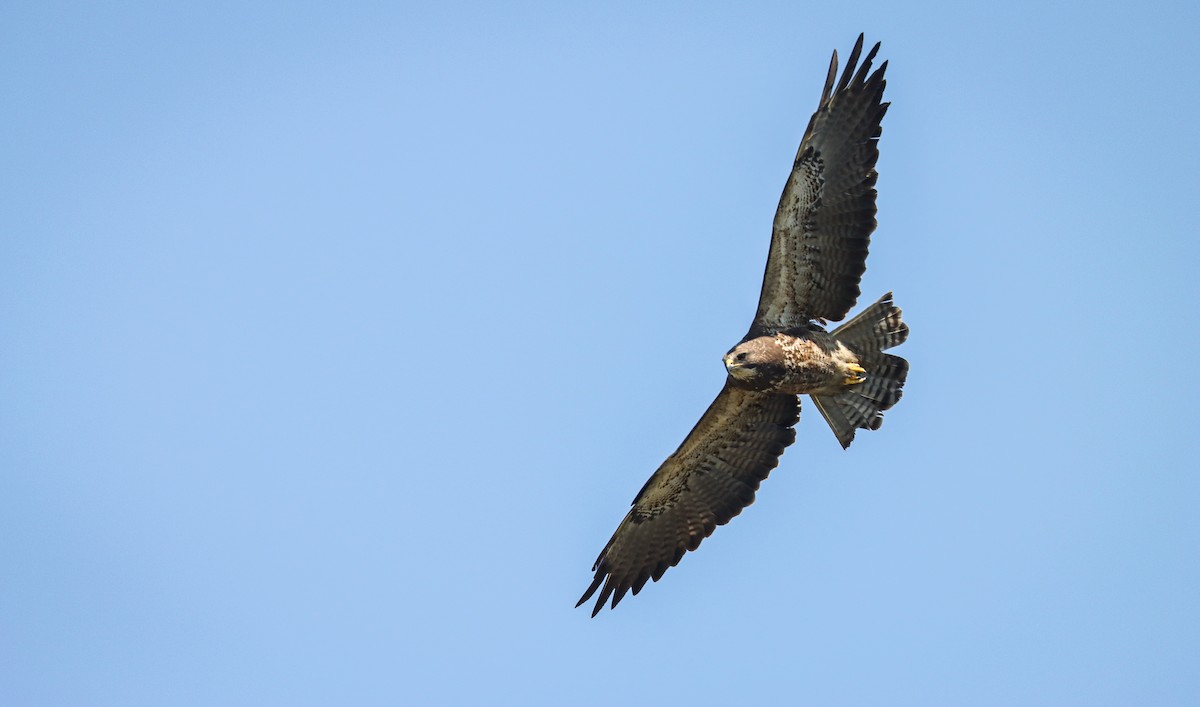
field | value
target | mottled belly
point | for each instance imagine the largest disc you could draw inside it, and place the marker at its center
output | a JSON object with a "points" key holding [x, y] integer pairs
{"points": [[810, 365]]}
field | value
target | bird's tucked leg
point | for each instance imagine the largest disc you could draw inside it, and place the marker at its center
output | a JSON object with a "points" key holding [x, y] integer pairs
{"points": [[855, 374]]}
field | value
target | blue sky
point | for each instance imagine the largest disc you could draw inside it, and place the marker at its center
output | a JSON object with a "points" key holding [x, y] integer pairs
{"points": [[336, 341]]}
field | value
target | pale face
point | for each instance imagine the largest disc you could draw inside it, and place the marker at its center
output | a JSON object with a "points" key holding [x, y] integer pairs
{"points": [[757, 363]]}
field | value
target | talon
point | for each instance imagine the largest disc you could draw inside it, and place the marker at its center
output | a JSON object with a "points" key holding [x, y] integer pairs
{"points": [[855, 376]]}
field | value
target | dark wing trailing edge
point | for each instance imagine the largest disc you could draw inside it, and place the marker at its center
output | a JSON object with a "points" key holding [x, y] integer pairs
{"points": [[706, 482], [827, 212]]}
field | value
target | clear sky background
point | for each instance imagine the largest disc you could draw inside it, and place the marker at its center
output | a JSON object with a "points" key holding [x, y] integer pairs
{"points": [[336, 341]]}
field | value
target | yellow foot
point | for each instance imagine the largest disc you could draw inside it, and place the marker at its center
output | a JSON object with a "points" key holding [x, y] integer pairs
{"points": [[855, 376]]}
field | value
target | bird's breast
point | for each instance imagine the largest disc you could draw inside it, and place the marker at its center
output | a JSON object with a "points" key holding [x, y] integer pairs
{"points": [[808, 362]]}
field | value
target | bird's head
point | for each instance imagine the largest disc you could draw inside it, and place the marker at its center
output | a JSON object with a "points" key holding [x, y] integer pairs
{"points": [[757, 364]]}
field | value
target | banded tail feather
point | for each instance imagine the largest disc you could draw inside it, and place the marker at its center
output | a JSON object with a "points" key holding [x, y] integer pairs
{"points": [[877, 328]]}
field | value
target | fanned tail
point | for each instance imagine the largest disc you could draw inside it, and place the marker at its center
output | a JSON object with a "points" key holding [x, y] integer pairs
{"points": [[860, 406]]}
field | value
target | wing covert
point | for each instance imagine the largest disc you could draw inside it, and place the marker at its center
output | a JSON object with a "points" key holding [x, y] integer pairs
{"points": [[705, 483], [826, 214]]}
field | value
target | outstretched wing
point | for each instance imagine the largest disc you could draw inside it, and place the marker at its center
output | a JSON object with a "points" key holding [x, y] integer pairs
{"points": [[706, 482], [827, 211]]}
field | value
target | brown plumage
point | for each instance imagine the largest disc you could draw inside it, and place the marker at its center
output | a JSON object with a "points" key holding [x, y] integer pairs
{"points": [[817, 257]]}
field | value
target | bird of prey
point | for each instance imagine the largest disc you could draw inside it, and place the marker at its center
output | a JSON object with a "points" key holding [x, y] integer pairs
{"points": [[817, 257]]}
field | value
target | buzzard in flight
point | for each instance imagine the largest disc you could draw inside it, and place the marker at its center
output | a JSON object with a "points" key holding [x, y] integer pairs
{"points": [[817, 258]]}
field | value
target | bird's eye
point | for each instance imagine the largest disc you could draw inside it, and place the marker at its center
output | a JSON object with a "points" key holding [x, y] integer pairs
{"points": [[740, 357]]}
